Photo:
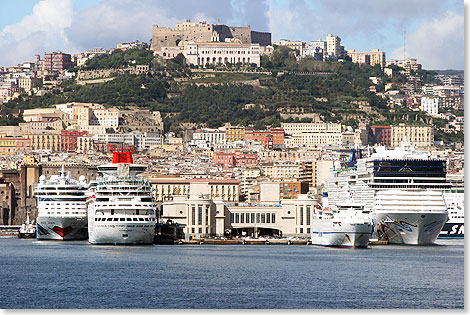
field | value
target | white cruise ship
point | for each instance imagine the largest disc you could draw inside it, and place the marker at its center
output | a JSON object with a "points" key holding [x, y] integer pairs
{"points": [[402, 187], [454, 227], [347, 226], [410, 217], [62, 208], [121, 209]]}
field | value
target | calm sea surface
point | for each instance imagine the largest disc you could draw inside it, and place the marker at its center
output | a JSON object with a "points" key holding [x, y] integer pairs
{"points": [[48, 274]]}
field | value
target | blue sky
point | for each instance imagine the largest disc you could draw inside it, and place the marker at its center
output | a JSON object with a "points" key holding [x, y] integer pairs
{"points": [[434, 28]]}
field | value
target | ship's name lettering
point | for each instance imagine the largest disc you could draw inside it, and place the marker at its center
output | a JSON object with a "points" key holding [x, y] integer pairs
{"points": [[454, 229]]}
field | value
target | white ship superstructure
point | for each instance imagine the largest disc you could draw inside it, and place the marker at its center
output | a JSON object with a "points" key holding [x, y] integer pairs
{"points": [[62, 209], [121, 209], [403, 188], [347, 226]]}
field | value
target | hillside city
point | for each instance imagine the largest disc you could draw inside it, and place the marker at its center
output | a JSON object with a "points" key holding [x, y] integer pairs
{"points": [[221, 115]]}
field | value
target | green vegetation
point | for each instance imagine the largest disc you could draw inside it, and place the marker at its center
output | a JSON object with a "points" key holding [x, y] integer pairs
{"points": [[440, 135], [120, 59], [10, 120], [227, 77], [125, 90]]}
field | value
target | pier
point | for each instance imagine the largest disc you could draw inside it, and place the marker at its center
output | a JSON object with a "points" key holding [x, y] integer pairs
{"points": [[233, 242]]}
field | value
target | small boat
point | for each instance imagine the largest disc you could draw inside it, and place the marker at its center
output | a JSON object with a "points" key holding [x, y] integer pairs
{"points": [[27, 229]]}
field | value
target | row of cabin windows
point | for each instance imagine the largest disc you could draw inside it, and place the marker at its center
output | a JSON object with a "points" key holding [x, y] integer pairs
{"points": [[125, 219], [74, 212]]}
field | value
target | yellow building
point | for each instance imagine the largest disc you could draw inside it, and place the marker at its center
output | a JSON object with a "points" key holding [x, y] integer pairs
{"points": [[27, 84], [11, 146], [7, 146], [234, 133], [418, 136], [45, 141], [371, 58]]}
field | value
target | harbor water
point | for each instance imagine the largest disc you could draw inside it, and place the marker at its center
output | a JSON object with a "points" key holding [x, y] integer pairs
{"points": [[75, 274]]}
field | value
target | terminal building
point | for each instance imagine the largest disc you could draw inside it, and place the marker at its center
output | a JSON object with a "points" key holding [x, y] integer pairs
{"points": [[208, 217]]}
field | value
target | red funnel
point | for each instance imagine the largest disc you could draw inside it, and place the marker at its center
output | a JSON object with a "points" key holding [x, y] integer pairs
{"points": [[122, 155]]}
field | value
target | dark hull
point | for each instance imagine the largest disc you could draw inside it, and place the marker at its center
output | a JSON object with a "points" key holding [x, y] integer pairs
{"points": [[27, 235], [452, 230]]}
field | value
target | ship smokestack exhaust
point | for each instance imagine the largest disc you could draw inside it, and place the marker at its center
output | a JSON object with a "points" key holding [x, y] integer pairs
{"points": [[123, 155]]}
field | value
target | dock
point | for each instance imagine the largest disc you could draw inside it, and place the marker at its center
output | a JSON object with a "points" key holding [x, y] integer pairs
{"points": [[234, 242], [374, 241], [212, 241]]}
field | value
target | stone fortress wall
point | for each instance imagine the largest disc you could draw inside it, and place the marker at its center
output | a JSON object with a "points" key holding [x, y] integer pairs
{"points": [[203, 32]]}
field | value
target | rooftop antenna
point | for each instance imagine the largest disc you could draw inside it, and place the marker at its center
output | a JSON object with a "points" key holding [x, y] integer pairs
{"points": [[218, 20]]}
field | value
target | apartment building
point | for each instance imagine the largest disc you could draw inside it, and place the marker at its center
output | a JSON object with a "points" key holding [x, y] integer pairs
{"points": [[382, 134], [45, 140], [57, 61], [418, 136], [234, 133], [372, 58], [68, 140], [14, 145], [334, 47], [272, 138], [430, 105], [166, 187], [211, 136], [297, 129]]}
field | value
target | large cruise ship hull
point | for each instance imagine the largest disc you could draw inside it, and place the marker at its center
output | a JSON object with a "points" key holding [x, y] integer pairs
{"points": [[61, 228], [341, 235], [409, 227], [132, 233], [452, 230]]}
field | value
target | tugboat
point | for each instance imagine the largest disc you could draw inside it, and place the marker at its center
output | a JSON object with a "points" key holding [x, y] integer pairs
{"points": [[27, 229]]}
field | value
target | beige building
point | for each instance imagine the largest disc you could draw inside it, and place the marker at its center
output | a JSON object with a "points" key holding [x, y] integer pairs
{"points": [[94, 118], [44, 114], [418, 136], [334, 47], [297, 129], [311, 135], [408, 65], [46, 140], [371, 58], [27, 84], [271, 216], [167, 187], [85, 144], [285, 169], [215, 53], [39, 126]]}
